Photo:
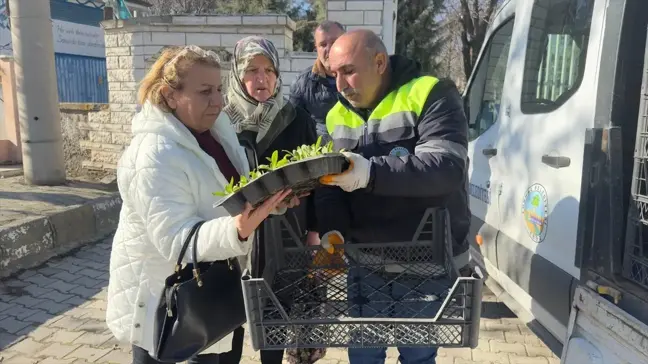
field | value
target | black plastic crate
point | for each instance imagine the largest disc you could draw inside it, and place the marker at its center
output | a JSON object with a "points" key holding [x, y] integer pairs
{"points": [[408, 294]]}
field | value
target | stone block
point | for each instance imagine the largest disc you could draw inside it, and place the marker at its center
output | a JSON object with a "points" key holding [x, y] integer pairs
{"points": [[120, 138], [259, 30], [123, 97], [112, 62], [21, 245], [336, 5], [130, 39], [189, 20], [372, 17], [129, 62], [121, 76], [364, 5], [224, 20], [106, 213], [260, 20], [375, 28], [100, 136], [73, 227], [346, 17], [118, 51], [168, 38], [229, 40], [111, 40], [204, 39]]}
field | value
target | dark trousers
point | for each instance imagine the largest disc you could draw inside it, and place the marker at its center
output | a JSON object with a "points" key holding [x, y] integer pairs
{"points": [[141, 356]]}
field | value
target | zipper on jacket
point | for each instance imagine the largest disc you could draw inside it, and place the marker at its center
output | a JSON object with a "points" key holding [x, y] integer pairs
{"points": [[365, 134]]}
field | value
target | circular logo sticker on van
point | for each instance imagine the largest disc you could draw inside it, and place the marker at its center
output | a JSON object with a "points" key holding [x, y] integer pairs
{"points": [[535, 210], [399, 152]]}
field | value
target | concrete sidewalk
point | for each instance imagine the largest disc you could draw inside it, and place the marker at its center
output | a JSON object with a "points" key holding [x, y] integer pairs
{"points": [[40, 222]]}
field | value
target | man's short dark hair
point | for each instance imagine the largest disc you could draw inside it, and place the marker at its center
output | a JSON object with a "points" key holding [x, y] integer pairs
{"points": [[328, 25]]}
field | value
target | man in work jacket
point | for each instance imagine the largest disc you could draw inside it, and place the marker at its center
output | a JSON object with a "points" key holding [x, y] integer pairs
{"points": [[407, 137]]}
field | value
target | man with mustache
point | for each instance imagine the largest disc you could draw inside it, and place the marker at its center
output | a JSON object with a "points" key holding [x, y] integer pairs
{"points": [[407, 137], [314, 89]]}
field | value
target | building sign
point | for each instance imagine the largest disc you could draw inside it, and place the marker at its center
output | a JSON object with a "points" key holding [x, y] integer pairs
{"points": [[70, 38], [79, 39]]}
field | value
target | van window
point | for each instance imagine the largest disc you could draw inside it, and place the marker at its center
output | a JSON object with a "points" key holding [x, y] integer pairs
{"points": [[485, 90], [555, 53]]}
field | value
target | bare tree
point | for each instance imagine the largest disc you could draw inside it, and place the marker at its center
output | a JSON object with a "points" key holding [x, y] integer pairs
{"points": [[468, 20]]}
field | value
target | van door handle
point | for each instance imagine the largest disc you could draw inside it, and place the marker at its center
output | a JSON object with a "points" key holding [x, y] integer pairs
{"points": [[489, 152], [556, 161]]}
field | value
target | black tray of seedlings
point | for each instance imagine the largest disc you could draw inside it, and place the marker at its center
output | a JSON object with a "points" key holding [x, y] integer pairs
{"points": [[299, 170]]}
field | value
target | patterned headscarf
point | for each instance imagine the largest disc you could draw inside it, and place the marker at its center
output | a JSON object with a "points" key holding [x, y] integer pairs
{"points": [[244, 111]]}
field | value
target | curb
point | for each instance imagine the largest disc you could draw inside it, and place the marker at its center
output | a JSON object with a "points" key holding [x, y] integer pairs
{"points": [[31, 243]]}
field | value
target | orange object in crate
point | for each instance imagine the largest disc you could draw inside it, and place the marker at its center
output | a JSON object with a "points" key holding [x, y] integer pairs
{"points": [[331, 254]]}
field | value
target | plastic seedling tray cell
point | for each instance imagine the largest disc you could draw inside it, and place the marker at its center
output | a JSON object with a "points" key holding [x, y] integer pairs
{"points": [[301, 176]]}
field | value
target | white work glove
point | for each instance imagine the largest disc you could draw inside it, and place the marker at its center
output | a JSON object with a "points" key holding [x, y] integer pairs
{"points": [[356, 177]]}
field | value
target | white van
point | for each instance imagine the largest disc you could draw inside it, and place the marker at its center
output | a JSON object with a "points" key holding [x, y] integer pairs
{"points": [[556, 184]]}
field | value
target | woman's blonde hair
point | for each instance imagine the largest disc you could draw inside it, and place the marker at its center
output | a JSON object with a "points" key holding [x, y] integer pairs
{"points": [[169, 70]]}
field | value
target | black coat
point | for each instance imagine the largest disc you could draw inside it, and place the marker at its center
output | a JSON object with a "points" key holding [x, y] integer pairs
{"points": [[299, 129]]}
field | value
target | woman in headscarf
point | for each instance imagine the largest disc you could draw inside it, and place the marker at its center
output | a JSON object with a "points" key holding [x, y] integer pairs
{"points": [[266, 122]]}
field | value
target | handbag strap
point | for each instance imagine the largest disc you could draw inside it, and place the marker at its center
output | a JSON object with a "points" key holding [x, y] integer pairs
{"points": [[193, 232]]}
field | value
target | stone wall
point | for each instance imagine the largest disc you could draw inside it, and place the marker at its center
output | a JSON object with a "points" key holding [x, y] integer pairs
{"points": [[83, 138], [377, 15], [132, 46]]}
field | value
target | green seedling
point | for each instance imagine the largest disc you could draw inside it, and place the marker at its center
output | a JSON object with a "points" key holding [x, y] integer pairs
{"points": [[302, 152]]}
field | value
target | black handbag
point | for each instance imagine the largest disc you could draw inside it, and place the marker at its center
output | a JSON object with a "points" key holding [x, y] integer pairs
{"points": [[200, 305]]}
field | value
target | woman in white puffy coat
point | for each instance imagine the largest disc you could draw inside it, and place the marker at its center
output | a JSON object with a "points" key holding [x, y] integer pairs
{"points": [[183, 149]]}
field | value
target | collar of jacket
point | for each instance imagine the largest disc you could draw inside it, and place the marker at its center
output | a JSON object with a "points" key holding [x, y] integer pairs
{"points": [[153, 120], [318, 69]]}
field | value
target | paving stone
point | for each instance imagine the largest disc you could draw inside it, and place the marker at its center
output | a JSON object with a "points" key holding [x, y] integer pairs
{"points": [[93, 339], [66, 276], [117, 356], [533, 350], [76, 301], [56, 361], [64, 336], [12, 326], [41, 280], [87, 282], [49, 271], [53, 307], [63, 287], [41, 333], [21, 312], [92, 273], [5, 305], [490, 357], [500, 347], [27, 346], [67, 322], [7, 340], [98, 304], [57, 350], [27, 301], [20, 360], [84, 292], [41, 317], [456, 353], [88, 353], [515, 359], [57, 296]]}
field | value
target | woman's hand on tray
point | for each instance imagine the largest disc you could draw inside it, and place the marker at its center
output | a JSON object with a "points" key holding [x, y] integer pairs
{"points": [[251, 217]]}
